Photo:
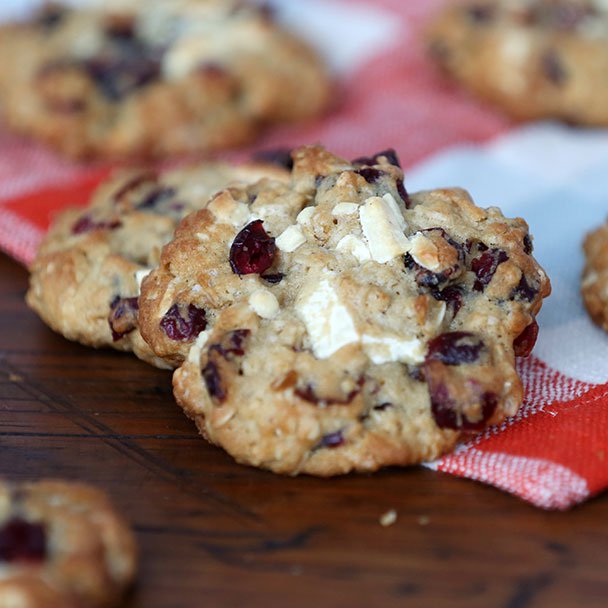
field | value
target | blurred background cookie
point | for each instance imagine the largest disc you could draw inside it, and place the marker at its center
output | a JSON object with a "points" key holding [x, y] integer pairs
{"points": [[156, 78], [62, 545], [84, 282], [533, 59]]}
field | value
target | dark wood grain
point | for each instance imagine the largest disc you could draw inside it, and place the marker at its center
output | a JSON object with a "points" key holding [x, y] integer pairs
{"points": [[213, 533]]}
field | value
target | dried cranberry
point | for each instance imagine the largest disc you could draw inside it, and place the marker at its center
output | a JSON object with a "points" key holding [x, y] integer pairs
{"points": [[389, 154], [179, 328], [117, 77], [213, 381], [279, 156], [370, 175], [451, 295], [447, 414], [50, 16], [253, 250], [524, 343], [405, 197], [22, 541], [455, 348], [553, 67], [232, 343], [157, 197], [485, 267], [480, 13], [87, 224], [528, 247], [308, 394], [524, 291], [123, 316], [273, 279], [331, 440], [134, 183]]}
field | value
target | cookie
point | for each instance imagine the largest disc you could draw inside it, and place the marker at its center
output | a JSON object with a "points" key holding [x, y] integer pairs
{"points": [[534, 59], [594, 285], [62, 545], [336, 323], [156, 78], [84, 282]]}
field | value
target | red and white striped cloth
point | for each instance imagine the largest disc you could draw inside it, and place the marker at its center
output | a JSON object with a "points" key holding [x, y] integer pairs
{"points": [[553, 453]]}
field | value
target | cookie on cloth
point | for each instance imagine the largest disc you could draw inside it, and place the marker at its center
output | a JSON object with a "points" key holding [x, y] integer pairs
{"points": [[534, 59], [156, 77], [84, 282], [336, 323], [594, 285], [62, 545]]}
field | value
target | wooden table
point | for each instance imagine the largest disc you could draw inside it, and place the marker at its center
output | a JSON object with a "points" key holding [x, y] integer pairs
{"points": [[213, 533]]}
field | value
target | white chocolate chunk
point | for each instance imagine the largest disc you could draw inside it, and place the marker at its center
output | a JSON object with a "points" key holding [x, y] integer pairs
{"points": [[387, 348], [228, 211], [424, 252], [194, 355], [290, 239], [383, 227], [356, 247], [327, 320], [140, 275], [345, 209], [264, 304], [305, 215]]}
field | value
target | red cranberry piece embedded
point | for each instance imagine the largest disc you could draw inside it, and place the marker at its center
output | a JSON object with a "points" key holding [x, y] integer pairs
{"points": [[252, 251], [553, 67], [331, 440], [278, 156], [134, 183], [232, 343], [455, 348], [87, 224], [446, 411], [308, 394], [213, 381], [370, 175], [524, 291], [273, 279], [451, 295], [390, 155], [528, 247], [123, 316], [524, 343], [156, 198], [181, 328], [22, 541], [485, 267]]}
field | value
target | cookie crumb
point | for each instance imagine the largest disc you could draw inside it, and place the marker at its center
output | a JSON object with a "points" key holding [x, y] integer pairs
{"points": [[424, 520], [388, 518]]}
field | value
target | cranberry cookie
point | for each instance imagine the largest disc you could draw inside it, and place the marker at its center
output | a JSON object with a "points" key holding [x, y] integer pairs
{"points": [[62, 545], [533, 58], [594, 286], [156, 78], [84, 282], [337, 323]]}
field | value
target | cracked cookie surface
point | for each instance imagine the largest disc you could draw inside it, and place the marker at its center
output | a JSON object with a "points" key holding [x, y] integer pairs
{"points": [[337, 323], [84, 282], [533, 59], [62, 545], [156, 78]]}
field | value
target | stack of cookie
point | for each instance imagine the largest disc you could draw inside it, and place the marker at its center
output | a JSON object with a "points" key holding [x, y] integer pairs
{"points": [[321, 319]]}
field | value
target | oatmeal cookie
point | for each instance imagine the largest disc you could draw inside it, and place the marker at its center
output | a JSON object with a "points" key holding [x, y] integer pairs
{"points": [[156, 78], [534, 59], [336, 323], [62, 545], [84, 282], [594, 286]]}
